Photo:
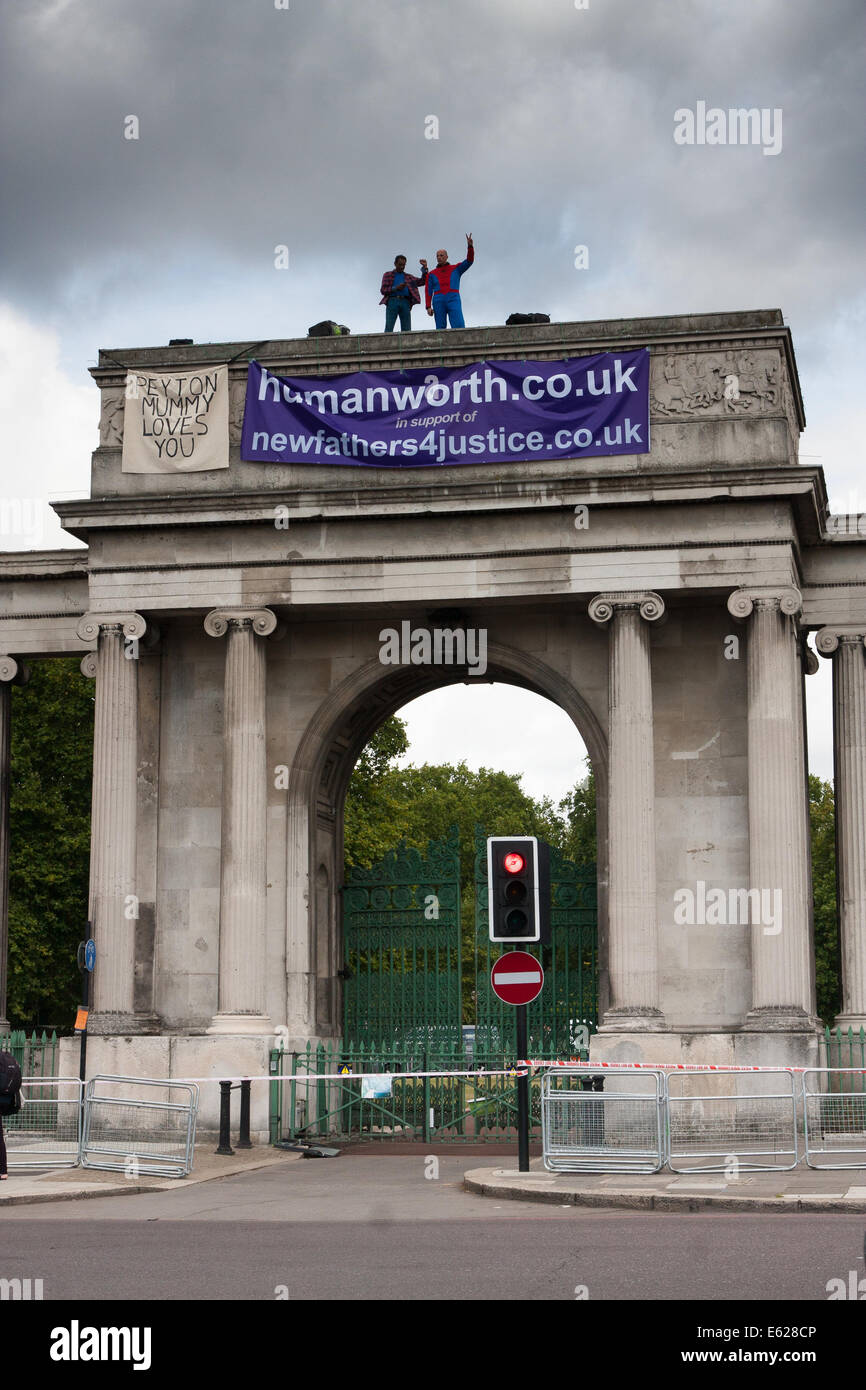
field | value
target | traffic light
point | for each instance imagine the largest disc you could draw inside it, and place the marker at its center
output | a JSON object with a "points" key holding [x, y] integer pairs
{"points": [[518, 888]]}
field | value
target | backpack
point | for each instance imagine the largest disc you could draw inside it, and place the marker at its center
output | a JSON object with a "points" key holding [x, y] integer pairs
{"points": [[326, 329], [10, 1084], [526, 318]]}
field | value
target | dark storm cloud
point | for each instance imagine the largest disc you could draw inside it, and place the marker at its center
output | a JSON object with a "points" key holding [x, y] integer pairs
{"points": [[261, 126]]}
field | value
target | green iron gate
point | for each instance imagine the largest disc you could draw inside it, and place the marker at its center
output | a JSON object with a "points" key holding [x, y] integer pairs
{"points": [[417, 997], [401, 935]]}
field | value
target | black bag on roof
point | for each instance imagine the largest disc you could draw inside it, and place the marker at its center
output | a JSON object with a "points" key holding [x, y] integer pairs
{"points": [[527, 318], [327, 329]]}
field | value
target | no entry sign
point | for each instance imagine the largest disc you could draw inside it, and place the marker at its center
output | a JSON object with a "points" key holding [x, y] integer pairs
{"points": [[517, 978]]}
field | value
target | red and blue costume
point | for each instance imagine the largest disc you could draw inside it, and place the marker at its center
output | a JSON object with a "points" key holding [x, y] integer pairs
{"points": [[443, 291]]}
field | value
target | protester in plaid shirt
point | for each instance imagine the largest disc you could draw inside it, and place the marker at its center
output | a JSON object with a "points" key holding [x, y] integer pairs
{"points": [[400, 294]]}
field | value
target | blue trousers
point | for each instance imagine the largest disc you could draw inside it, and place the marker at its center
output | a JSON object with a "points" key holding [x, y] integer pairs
{"points": [[448, 306], [399, 305]]}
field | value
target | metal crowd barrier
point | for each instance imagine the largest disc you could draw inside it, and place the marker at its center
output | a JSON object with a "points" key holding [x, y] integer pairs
{"points": [[46, 1131], [618, 1130], [834, 1117], [718, 1117], [128, 1129]]}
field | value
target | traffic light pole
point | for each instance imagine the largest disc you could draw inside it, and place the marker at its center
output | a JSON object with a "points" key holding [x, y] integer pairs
{"points": [[522, 1093]]}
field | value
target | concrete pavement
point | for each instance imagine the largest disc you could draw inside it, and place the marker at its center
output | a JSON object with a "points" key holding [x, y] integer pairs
{"points": [[70, 1184], [801, 1189]]}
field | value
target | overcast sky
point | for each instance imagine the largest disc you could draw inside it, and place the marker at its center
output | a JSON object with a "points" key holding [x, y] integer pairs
{"points": [[307, 126]]}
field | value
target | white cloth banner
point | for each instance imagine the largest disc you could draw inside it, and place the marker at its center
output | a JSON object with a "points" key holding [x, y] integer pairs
{"points": [[176, 422]]}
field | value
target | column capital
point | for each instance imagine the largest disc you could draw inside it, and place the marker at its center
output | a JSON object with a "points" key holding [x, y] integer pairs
{"points": [[650, 605], [90, 665], [131, 624], [828, 639], [262, 620], [785, 597], [15, 672]]}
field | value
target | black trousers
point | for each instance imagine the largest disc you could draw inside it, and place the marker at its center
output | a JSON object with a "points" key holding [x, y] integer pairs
{"points": [[2, 1150]]}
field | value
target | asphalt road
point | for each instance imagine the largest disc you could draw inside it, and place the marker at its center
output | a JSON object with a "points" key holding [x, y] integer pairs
{"points": [[375, 1228]]}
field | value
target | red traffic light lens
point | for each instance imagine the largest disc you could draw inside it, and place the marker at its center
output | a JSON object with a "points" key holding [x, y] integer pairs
{"points": [[514, 863]]}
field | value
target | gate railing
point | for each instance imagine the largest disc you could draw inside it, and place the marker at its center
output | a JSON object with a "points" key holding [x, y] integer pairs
{"points": [[843, 1048], [462, 1104], [36, 1055]]}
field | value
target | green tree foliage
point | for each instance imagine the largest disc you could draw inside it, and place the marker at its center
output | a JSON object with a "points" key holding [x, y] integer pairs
{"points": [[52, 743], [577, 816], [387, 803], [822, 815]]}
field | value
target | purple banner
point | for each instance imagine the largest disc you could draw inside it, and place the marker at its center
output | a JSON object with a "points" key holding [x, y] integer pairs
{"points": [[586, 407]]}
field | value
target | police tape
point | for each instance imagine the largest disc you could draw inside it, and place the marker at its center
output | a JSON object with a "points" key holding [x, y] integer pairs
{"points": [[521, 1070], [545, 1063]]}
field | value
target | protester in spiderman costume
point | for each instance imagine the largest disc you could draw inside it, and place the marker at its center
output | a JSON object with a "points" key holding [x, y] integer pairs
{"points": [[443, 287]]}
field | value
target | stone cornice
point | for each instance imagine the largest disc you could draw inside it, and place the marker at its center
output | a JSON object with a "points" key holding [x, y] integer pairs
{"points": [[741, 602], [44, 564], [804, 486], [650, 605]]}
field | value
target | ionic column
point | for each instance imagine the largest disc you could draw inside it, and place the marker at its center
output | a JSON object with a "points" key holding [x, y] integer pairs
{"points": [[779, 845], [631, 831], [113, 902], [11, 673], [243, 881], [844, 644]]}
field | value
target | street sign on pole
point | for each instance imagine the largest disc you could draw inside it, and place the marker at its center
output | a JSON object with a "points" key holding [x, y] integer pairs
{"points": [[86, 962], [517, 978]]}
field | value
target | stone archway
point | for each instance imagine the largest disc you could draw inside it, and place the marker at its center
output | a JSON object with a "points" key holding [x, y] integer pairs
{"points": [[331, 745]]}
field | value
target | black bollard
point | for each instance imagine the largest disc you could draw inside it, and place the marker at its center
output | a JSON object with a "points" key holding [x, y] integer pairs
{"points": [[244, 1133], [225, 1145], [596, 1109]]}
